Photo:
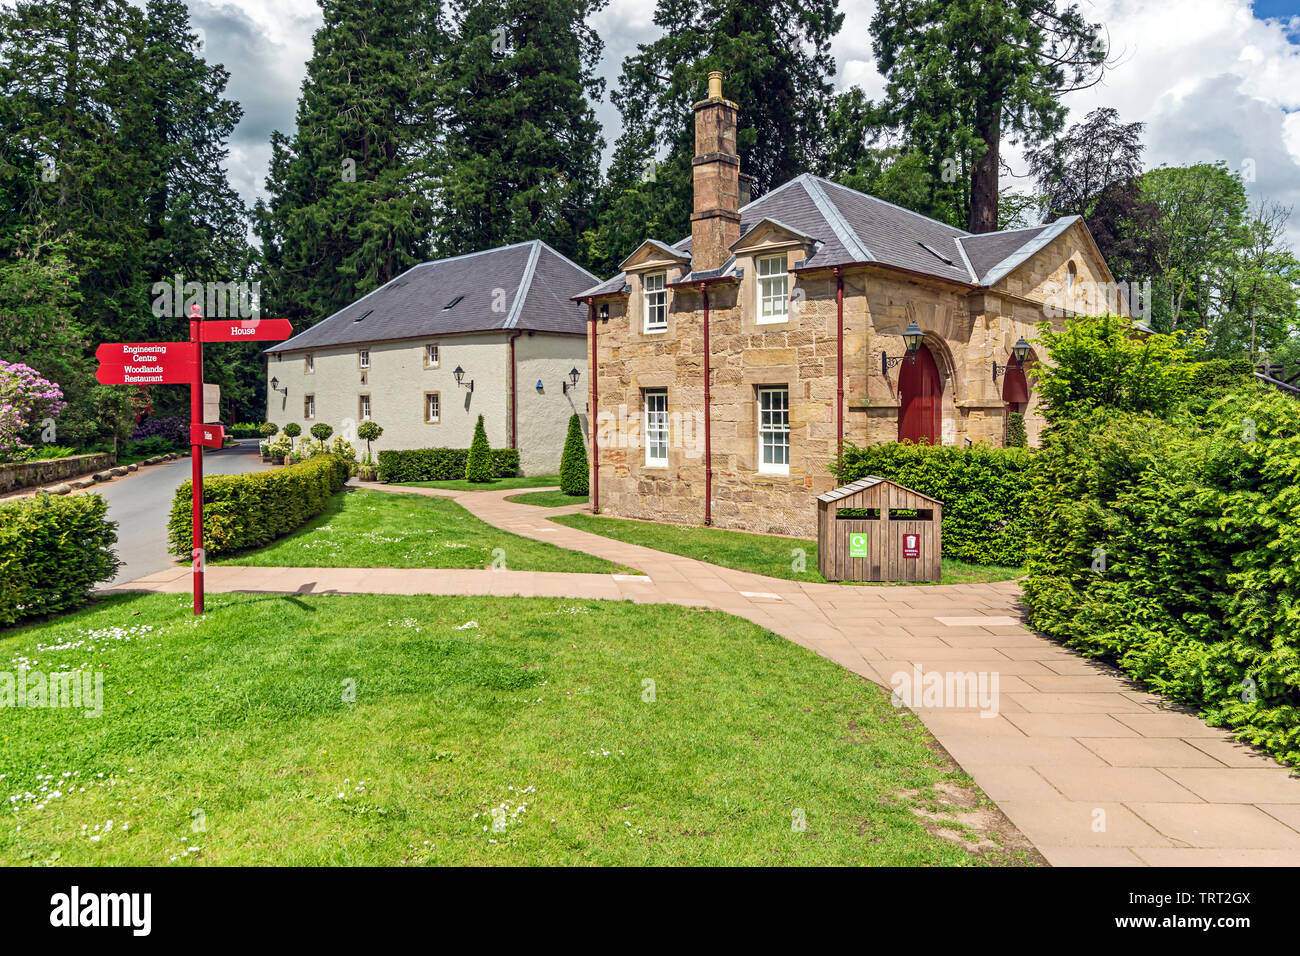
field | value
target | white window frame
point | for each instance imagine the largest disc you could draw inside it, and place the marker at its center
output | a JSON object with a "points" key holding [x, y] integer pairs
{"points": [[774, 430], [773, 289], [432, 349], [430, 400], [363, 406], [655, 426], [363, 359], [654, 290], [309, 406]]}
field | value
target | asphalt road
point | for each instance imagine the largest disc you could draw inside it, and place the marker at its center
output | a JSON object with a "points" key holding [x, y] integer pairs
{"points": [[141, 502]]}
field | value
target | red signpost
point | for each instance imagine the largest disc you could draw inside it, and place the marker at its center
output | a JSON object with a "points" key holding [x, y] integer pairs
{"points": [[179, 363]]}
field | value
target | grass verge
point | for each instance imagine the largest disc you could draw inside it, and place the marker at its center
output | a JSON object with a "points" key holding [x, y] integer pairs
{"points": [[375, 529], [548, 499], [496, 484], [776, 557], [385, 730]]}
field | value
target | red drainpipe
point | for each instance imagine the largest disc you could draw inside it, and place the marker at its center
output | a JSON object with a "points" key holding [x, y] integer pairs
{"points": [[514, 400], [839, 363], [708, 443], [591, 420]]}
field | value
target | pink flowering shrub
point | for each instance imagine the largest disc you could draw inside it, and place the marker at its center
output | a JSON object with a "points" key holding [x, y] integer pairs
{"points": [[26, 400]]}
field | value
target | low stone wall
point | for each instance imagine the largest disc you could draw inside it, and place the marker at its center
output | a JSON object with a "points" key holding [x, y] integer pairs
{"points": [[29, 474]]}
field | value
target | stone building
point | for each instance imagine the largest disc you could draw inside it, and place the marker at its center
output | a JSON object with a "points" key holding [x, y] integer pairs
{"points": [[493, 333], [728, 367]]}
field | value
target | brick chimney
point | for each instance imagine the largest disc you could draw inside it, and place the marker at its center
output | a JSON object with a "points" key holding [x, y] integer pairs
{"points": [[715, 223]]}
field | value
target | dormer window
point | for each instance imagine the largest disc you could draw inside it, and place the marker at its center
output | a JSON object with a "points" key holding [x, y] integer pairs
{"points": [[655, 292], [773, 289]]}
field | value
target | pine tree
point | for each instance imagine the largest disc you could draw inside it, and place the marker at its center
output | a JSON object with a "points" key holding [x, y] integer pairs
{"points": [[350, 190], [478, 464], [573, 464], [778, 67], [521, 156]]}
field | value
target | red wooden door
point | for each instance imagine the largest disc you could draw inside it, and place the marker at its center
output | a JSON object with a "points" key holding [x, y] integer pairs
{"points": [[919, 388]]}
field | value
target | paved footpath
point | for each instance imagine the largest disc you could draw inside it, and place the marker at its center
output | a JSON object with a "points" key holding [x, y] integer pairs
{"points": [[1092, 770]]}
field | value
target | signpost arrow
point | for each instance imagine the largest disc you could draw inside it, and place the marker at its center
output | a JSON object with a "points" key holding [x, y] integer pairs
{"points": [[153, 373], [209, 436], [245, 330], [126, 353]]}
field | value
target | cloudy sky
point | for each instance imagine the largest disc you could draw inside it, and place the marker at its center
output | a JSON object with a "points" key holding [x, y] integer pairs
{"points": [[1212, 79]]}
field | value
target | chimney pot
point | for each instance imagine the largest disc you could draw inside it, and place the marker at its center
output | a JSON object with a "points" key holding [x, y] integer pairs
{"points": [[715, 85]]}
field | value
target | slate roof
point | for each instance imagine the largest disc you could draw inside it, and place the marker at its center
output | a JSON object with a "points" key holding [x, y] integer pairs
{"points": [[862, 484], [536, 285], [852, 227]]}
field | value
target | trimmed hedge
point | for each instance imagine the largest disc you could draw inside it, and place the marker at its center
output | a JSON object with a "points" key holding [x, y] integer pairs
{"points": [[53, 551], [247, 511], [440, 464], [983, 490], [1172, 547]]}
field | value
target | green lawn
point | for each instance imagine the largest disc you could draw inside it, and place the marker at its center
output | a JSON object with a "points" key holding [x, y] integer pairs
{"points": [[377, 529], [549, 499], [386, 730], [497, 484], [762, 554]]}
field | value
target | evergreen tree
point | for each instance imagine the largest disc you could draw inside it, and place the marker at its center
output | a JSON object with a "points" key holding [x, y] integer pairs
{"points": [[195, 223], [962, 74], [573, 463], [73, 110], [350, 190], [778, 66], [521, 156], [478, 463]]}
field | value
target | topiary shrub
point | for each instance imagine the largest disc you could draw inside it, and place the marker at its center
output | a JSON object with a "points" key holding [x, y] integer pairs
{"points": [[250, 510], [369, 432], [292, 430], [321, 432], [573, 464], [268, 430], [982, 488], [53, 551], [1017, 437], [478, 464], [440, 464]]}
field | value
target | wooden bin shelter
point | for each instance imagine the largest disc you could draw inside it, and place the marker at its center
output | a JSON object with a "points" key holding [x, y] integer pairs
{"points": [[876, 530]]}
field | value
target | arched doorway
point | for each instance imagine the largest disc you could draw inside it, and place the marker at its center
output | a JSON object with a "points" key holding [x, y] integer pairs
{"points": [[1016, 395], [920, 393]]}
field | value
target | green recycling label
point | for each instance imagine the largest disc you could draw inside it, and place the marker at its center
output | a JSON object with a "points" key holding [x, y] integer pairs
{"points": [[858, 545]]}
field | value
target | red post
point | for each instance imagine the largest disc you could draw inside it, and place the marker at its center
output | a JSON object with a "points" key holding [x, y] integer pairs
{"points": [[196, 457], [708, 441], [593, 417], [839, 363]]}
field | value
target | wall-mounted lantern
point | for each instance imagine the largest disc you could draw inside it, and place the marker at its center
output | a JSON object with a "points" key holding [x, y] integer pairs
{"points": [[275, 387], [912, 337], [1020, 351], [460, 375], [572, 382]]}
